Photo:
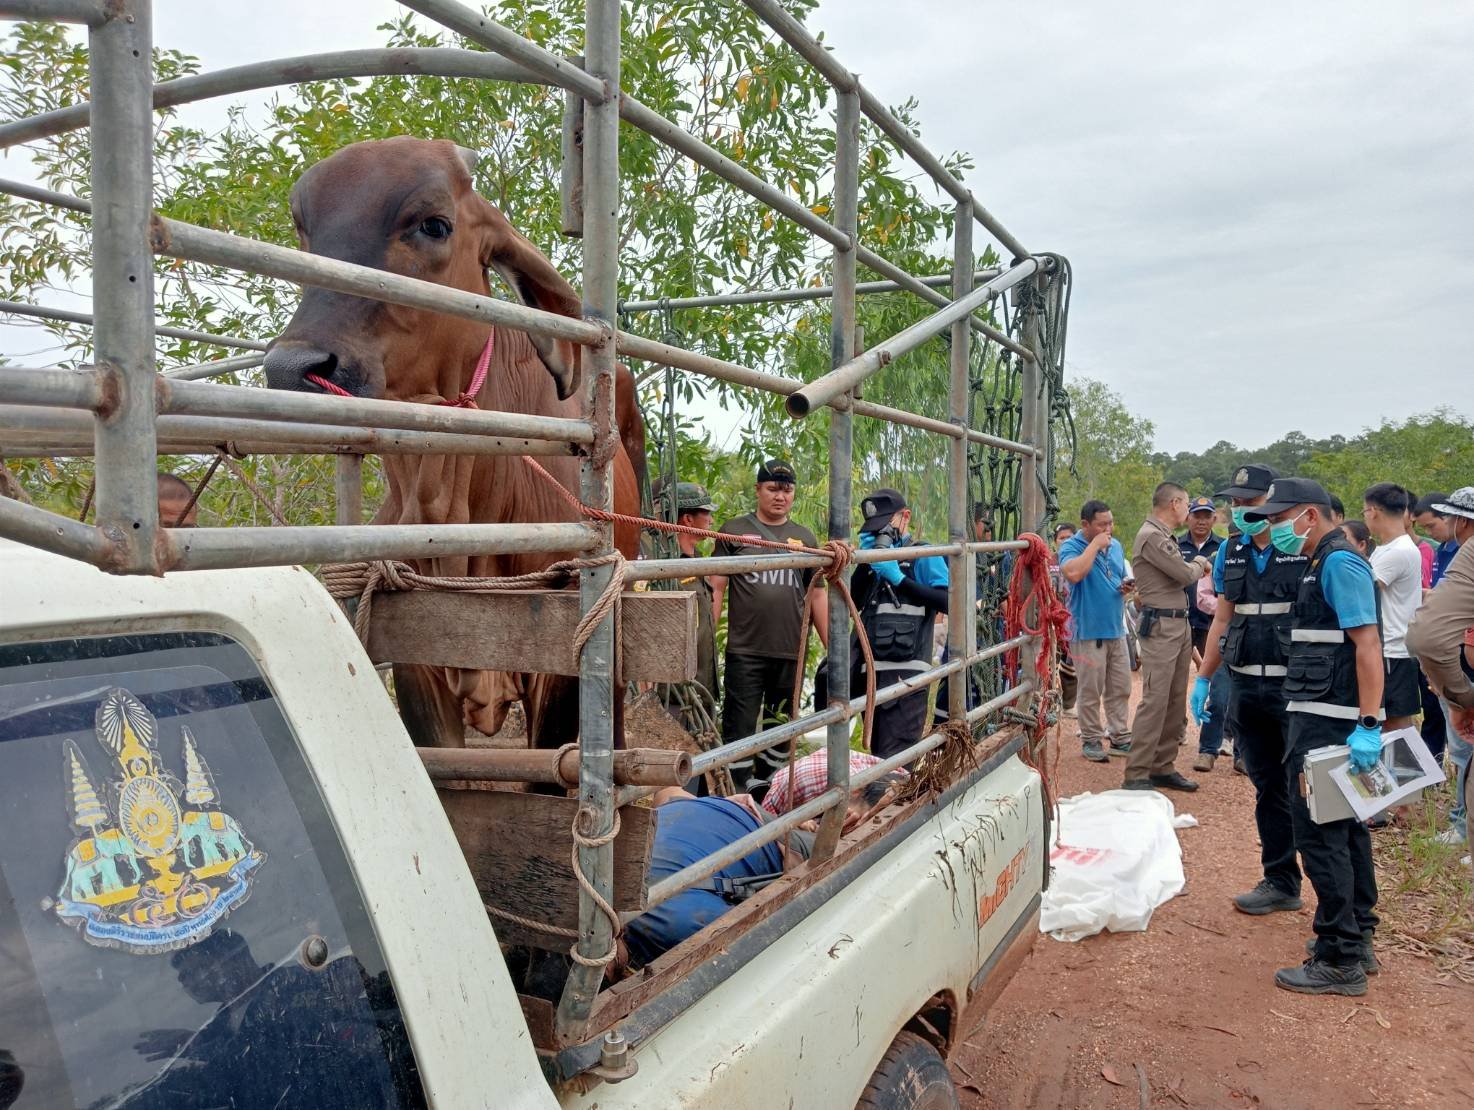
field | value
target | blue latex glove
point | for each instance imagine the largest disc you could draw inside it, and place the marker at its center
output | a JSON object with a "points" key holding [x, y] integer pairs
{"points": [[1366, 748], [890, 572], [1199, 701]]}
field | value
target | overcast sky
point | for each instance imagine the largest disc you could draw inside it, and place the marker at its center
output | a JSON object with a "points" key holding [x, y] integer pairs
{"points": [[1267, 207]]}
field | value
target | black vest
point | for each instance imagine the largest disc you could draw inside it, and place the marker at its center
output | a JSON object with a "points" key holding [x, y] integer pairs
{"points": [[1320, 657], [1262, 605], [900, 632]]}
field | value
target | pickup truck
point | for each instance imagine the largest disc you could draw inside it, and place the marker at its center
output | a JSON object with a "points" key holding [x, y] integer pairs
{"points": [[226, 879]]}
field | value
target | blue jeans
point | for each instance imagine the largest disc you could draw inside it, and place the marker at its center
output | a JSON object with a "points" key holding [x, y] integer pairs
{"points": [[1210, 735], [1460, 752]]}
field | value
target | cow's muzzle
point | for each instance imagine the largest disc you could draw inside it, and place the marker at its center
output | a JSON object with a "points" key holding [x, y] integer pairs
{"points": [[289, 363]]}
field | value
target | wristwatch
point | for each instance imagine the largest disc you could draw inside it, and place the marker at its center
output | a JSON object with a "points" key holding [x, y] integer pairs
{"points": [[1369, 721]]}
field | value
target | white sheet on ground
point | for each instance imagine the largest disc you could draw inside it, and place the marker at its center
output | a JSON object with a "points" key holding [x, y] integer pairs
{"points": [[1117, 859]]}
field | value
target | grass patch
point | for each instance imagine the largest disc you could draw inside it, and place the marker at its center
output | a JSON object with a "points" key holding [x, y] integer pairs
{"points": [[1425, 894]]}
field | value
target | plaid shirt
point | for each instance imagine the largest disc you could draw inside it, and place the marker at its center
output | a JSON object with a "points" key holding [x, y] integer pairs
{"points": [[810, 779]]}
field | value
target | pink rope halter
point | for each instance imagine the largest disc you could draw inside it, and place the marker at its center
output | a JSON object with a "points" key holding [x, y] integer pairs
{"points": [[466, 400]]}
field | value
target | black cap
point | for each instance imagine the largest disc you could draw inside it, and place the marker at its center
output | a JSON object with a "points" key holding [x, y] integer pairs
{"points": [[1286, 493], [1201, 505], [879, 507], [776, 470], [1250, 480]]}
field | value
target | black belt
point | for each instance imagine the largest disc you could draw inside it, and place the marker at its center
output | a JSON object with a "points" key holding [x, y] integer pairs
{"points": [[1159, 613]]}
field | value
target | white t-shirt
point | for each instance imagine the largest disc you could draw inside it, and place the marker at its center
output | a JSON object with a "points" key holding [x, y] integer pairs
{"points": [[1398, 567]]}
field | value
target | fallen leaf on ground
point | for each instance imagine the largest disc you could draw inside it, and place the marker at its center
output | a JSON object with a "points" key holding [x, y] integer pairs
{"points": [[1287, 1017], [1220, 1029], [1108, 1073]]}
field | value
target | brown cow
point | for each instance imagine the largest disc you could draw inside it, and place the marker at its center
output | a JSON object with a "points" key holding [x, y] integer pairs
{"points": [[408, 206]]}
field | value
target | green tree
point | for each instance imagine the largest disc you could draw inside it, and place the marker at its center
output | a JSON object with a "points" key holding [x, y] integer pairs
{"points": [[1427, 452], [1112, 458]]}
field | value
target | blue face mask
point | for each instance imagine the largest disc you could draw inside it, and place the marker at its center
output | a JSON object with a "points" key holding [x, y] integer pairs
{"points": [[1285, 538], [1247, 527]]}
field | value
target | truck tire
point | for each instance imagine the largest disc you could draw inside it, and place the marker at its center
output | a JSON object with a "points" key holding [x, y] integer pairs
{"points": [[912, 1076]]}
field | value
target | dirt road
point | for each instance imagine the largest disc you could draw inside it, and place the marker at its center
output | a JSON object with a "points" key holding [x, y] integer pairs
{"points": [[1189, 1008]]}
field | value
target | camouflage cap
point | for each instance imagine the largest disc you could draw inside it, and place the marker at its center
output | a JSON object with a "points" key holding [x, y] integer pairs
{"points": [[693, 498]]}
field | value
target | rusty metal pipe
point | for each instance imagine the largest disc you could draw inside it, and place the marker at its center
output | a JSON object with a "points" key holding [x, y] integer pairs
{"points": [[632, 766]]}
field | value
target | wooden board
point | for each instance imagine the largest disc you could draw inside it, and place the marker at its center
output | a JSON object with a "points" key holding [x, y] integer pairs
{"points": [[531, 631], [518, 847]]}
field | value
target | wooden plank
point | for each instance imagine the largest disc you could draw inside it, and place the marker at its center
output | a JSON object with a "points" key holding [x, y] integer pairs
{"points": [[519, 847], [525, 631]]}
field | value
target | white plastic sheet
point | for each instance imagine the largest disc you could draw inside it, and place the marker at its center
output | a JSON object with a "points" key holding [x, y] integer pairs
{"points": [[1117, 859]]}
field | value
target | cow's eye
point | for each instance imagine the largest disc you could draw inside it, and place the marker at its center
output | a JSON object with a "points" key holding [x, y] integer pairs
{"points": [[436, 228]]}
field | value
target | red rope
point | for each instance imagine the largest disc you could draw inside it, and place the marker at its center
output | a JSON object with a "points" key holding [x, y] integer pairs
{"points": [[1053, 617]]}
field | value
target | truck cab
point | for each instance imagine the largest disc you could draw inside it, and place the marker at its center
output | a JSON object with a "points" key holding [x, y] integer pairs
{"points": [[227, 879]]}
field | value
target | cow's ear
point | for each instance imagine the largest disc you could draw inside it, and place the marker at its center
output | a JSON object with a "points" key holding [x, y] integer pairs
{"points": [[536, 283]]}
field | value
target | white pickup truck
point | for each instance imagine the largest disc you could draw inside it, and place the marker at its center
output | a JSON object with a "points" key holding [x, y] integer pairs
{"points": [[227, 880]]}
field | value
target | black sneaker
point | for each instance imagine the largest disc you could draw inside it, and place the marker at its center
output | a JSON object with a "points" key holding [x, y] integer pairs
{"points": [[1137, 784], [1369, 963], [1317, 977], [1094, 751], [1238, 764], [1174, 781], [1122, 750], [1266, 898]]}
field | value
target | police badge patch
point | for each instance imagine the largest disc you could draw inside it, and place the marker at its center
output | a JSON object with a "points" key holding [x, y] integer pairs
{"points": [[1241, 477], [156, 863]]}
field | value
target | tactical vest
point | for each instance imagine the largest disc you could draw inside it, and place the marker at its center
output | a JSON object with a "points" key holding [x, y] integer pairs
{"points": [[1320, 657], [900, 633], [1262, 605]]}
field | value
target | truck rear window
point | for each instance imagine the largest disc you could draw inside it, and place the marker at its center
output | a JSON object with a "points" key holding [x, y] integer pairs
{"points": [[179, 926]]}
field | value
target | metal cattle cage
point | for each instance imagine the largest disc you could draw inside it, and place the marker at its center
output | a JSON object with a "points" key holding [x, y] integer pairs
{"points": [[120, 409]]}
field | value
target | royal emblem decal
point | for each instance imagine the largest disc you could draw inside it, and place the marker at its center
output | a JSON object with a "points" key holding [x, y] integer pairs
{"points": [[156, 863], [1241, 477]]}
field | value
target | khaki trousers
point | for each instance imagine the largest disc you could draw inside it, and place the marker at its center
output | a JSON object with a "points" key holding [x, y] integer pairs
{"points": [[1161, 715], [1103, 676]]}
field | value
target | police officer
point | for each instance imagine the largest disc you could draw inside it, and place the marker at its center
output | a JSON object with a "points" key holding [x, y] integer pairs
{"points": [[1333, 692], [1256, 585], [1166, 644], [898, 604]]}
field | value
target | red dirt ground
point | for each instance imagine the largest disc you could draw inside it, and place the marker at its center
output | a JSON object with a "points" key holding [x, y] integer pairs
{"points": [[1190, 1007]]}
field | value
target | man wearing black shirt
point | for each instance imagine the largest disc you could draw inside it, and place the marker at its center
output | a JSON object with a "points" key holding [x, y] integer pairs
{"points": [[764, 618]]}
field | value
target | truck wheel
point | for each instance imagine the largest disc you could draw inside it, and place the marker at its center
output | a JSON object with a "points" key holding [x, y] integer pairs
{"points": [[912, 1076]]}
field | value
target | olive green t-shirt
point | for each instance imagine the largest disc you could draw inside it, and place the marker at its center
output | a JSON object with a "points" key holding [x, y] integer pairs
{"points": [[765, 607]]}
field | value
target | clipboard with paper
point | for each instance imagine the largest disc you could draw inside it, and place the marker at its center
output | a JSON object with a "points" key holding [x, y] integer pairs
{"points": [[1405, 770]]}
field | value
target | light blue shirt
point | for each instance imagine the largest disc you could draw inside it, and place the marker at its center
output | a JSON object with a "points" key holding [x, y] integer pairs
{"points": [[1261, 562], [1346, 580], [1096, 605]]}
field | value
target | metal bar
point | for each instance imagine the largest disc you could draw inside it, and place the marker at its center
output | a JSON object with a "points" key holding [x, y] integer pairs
{"points": [[598, 684], [844, 378], [214, 399], [73, 389], [1031, 385], [664, 354], [811, 49], [214, 369], [961, 586], [120, 53], [391, 62], [494, 36], [673, 135], [217, 248], [779, 827], [873, 261], [70, 429], [650, 569], [71, 316], [785, 296], [217, 548], [27, 191], [348, 489], [89, 12], [61, 535], [570, 181], [841, 457], [655, 767]]}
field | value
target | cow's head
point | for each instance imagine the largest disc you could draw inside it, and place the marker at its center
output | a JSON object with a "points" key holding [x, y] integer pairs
{"points": [[407, 206]]}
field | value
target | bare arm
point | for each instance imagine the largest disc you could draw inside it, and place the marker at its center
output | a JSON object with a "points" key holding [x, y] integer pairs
{"points": [[1369, 668], [1075, 570], [1436, 635], [820, 602], [718, 591], [1213, 654]]}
